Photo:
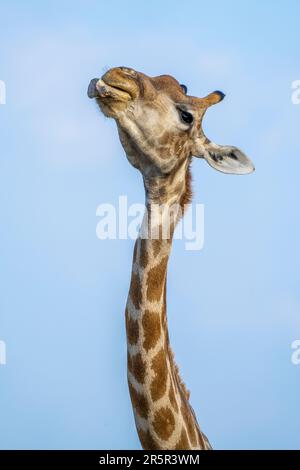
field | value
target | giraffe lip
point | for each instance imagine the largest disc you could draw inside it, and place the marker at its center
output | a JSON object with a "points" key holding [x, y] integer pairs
{"points": [[117, 86], [109, 89], [98, 88]]}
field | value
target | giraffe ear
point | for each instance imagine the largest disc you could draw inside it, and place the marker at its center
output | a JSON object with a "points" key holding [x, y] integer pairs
{"points": [[226, 159]]}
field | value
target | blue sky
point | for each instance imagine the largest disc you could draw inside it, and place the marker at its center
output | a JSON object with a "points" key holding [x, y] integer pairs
{"points": [[63, 291]]}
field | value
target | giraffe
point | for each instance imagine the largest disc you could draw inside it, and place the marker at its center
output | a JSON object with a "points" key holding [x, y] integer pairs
{"points": [[160, 128]]}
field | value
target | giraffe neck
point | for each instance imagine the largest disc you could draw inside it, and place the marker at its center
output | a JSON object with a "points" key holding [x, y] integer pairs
{"points": [[163, 415]]}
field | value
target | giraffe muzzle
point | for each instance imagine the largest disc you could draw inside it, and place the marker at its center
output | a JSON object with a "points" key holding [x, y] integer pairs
{"points": [[98, 88]]}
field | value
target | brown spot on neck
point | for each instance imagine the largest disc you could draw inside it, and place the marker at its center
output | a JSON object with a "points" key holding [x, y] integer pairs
{"points": [[160, 368], [156, 280], [135, 291], [152, 329], [188, 416], [183, 443], [135, 251], [164, 423], [156, 245], [147, 441], [137, 367], [144, 257], [139, 402], [132, 329]]}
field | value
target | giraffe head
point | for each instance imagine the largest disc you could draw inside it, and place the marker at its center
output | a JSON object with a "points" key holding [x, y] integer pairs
{"points": [[159, 124]]}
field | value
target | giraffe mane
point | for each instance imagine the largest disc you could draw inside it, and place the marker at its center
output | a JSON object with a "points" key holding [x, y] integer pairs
{"points": [[187, 196], [177, 375]]}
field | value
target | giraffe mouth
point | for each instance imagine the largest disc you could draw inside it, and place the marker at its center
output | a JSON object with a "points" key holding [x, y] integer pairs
{"points": [[100, 89]]}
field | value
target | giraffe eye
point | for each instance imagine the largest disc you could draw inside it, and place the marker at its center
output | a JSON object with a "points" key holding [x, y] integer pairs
{"points": [[186, 116]]}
